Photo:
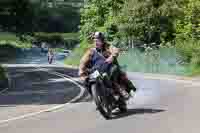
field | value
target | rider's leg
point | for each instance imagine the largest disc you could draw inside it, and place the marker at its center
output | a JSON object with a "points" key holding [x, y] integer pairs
{"points": [[126, 82], [115, 76], [51, 59]]}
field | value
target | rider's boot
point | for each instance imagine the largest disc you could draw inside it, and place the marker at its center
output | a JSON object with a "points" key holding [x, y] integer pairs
{"points": [[124, 94], [121, 91], [130, 88]]}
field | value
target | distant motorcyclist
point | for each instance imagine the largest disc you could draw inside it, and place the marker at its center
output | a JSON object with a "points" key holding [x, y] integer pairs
{"points": [[104, 57], [50, 55]]}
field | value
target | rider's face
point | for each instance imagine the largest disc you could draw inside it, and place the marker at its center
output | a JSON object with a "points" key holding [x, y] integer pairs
{"points": [[99, 43]]}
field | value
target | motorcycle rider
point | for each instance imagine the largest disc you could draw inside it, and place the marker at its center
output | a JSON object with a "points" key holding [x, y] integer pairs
{"points": [[104, 57], [50, 55]]}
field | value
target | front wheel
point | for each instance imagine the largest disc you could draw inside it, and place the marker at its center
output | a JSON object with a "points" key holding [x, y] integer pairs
{"points": [[122, 106], [100, 102]]}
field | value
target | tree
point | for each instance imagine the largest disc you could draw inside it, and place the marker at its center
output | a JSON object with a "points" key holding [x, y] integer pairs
{"points": [[152, 21], [188, 25], [147, 20], [98, 15], [23, 13]]}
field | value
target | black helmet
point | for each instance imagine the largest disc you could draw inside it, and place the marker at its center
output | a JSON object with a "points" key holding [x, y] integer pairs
{"points": [[99, 35]]}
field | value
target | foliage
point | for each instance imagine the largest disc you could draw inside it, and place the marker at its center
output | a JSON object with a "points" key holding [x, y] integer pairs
{"points": [[45, 37], [188, 26], [22, 13], [97, 14], [74, 58], [148, 20], [65, 19], [188, 34], [65, 36], [8, 36], [69, 40], [2, 73], [160, 22], [189, 50], [26, 16]]}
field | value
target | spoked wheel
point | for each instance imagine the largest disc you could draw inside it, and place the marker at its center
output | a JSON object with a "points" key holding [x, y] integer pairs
{"points": [[100, 101]]}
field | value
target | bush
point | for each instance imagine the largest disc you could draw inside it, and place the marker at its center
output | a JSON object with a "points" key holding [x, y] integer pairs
{"points": [[69, 39], [2, 73], [7, 51], [8, 36], [46, 37], [189, 50]]}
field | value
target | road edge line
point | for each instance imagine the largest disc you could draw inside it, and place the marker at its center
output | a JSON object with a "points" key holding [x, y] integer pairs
{"points": [[82, 90], [4, 90]]}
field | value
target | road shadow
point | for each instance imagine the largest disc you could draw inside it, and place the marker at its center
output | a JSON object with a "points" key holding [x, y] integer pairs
{"points": [[118, 115]]}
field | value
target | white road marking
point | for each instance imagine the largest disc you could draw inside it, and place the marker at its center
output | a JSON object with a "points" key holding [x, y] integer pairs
{"points": [[4, 90], [53, 108]]}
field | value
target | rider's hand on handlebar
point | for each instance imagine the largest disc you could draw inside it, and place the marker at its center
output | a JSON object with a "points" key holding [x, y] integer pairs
{"points": [[83, 78], [109, 59], [115, 51]]}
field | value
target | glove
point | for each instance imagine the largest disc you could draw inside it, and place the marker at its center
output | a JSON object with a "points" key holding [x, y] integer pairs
{"points": [[115, 51], [83, 78]]}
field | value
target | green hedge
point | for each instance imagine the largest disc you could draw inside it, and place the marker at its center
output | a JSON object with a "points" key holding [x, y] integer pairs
{"points": [[55, 39], [189, 50], [2, 73], [56, 36], [190, 53], [7, 51], [48, 37], [8, 36]]}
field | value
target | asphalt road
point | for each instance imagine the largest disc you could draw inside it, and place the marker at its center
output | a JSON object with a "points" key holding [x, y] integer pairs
{"points": [[160, 106], [33, 90]]}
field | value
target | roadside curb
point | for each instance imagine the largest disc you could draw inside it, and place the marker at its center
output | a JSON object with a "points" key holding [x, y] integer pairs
{"points": [[3, 85], [156, 76]]}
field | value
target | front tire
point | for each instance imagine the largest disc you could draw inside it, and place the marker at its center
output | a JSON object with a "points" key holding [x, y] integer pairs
{"points": [[100, 102], [122, 106]]}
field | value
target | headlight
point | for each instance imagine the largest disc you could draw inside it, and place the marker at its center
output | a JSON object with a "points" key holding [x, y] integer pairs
{"points": [[95, 74]]}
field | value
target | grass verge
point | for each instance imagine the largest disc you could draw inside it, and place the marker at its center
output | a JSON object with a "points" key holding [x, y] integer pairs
{"points": [[65, 36]]}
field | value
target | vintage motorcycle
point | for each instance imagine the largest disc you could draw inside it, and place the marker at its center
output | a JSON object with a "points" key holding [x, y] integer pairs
{"points": [[104, 95]]}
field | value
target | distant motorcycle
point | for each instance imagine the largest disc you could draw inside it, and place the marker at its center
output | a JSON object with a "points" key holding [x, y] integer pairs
{"points": [[102, 91], [50, 60]]}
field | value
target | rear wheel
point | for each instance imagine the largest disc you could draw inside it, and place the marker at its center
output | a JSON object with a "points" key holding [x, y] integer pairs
{"points": [[100, 102]]}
